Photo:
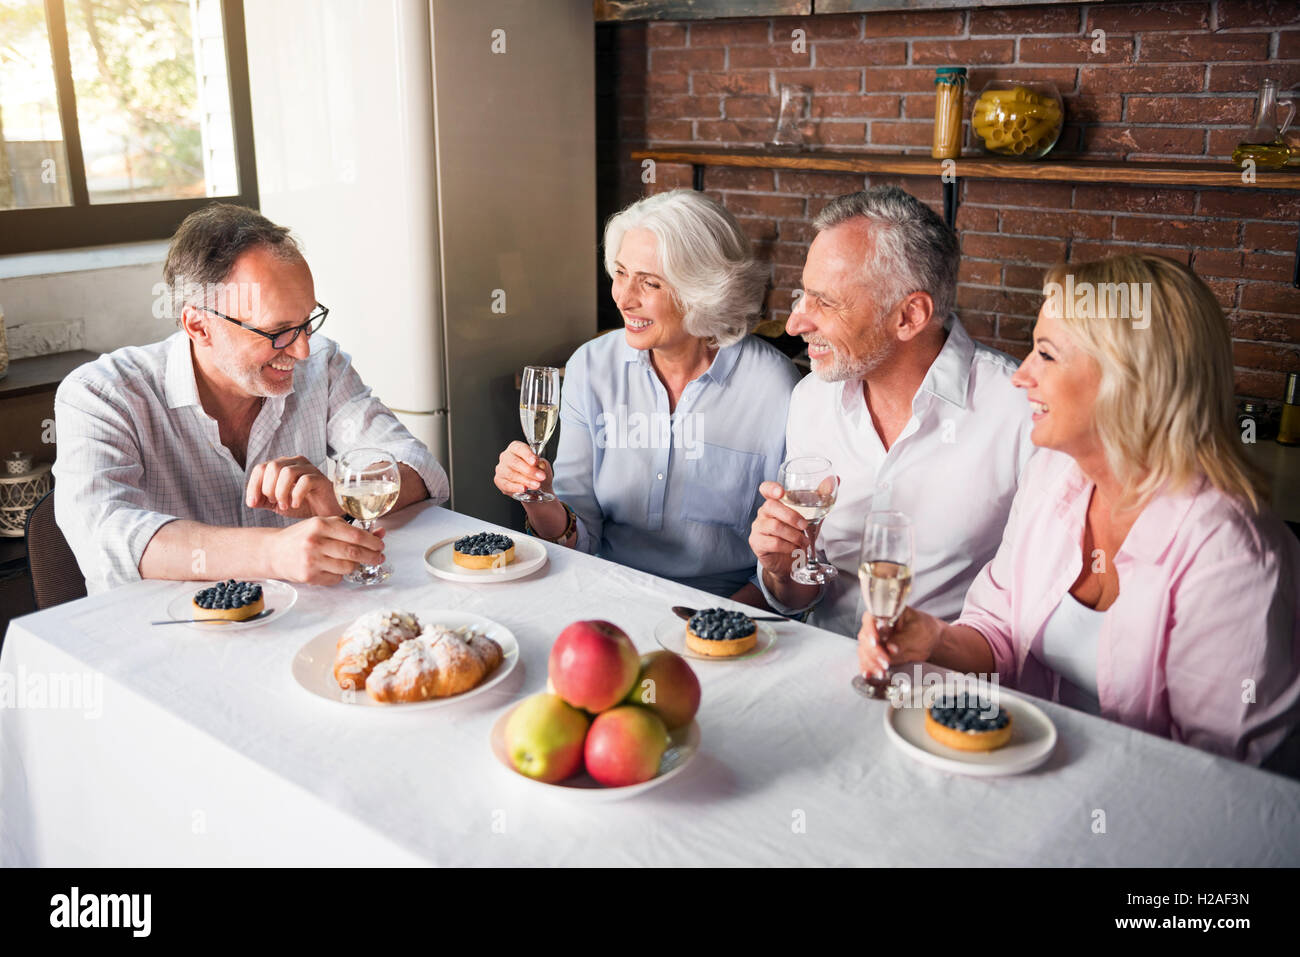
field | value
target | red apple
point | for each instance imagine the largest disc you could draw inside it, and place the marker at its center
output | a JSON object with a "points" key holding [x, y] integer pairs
{"points": [[544, 738], [625, 745], [667, 686], [593, 665]]}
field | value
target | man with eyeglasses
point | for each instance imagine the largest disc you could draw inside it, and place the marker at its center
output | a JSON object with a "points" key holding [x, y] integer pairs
{"points": [[199, 457]]}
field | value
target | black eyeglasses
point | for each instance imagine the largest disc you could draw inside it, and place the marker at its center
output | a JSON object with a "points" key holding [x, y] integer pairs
{"points": [[285, 337]]}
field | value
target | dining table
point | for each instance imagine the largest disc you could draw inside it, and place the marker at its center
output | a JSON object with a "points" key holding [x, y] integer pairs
{"points": [[192, 747]]}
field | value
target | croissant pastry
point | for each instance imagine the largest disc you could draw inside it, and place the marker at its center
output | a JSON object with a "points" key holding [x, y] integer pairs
{"points": [[366, 642], [437, 663]]}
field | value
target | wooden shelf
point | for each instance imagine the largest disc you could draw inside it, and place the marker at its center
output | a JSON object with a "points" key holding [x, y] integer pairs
{"points": [[1050, 170], [41, 373]]}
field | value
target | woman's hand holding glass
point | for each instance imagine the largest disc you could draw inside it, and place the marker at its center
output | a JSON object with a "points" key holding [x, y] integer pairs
{"points": [[913, 637], [519, 470]]}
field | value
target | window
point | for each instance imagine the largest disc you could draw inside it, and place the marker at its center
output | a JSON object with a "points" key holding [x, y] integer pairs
{"points": [[118, 118]]}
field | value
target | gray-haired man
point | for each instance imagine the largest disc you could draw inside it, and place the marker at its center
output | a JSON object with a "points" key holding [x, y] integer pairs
{"points": [[913, 415], [197, 457]]}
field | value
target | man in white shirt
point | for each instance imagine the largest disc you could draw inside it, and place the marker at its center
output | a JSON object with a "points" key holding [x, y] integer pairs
{"points": [[198, 457], [913, 414]]}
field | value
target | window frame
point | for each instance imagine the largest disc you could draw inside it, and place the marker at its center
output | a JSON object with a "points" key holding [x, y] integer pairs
{"points": [[48, 228]]}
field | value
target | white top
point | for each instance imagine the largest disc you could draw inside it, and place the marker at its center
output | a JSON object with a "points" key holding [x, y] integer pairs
{"points": [[136, 449], [1069, 647], [953, 470], [790, 759]]}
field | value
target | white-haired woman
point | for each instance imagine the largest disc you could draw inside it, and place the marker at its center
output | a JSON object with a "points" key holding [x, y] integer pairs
{"points": [[1137, 578], [667, 431]]}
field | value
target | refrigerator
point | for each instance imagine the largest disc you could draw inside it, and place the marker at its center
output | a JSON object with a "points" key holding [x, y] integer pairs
{"points": [[436, 160]]}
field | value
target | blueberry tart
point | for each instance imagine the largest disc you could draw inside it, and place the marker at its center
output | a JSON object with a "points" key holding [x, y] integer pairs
{"points": [[484, 550], [719, 633], [965, 725], [228, 600]]}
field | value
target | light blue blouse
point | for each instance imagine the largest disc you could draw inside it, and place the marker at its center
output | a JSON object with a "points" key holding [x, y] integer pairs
{"points": [[673, 495]]}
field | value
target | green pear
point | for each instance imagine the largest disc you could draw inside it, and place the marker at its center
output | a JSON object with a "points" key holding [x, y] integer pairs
{"points": [[544, 738]]}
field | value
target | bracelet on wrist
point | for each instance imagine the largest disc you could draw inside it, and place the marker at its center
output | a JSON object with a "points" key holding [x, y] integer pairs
{"points": [[570, 524]]}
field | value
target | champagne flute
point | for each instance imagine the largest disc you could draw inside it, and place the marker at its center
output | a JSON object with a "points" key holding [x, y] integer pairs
{"points": [[539, 410], [885, 573], [367, 483], [810, 489]]}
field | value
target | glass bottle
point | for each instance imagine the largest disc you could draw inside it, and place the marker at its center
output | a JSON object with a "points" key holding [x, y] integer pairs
{"points": [[1263, 142], [949, 89], [1288, 432]]}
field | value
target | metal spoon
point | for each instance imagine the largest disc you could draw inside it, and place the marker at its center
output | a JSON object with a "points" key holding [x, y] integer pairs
{"points": [[212, 621], [686, 614]]}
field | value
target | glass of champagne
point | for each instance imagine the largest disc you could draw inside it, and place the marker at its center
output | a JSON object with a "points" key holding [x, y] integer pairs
{"points": [[885, 573], [539, 411], [367, 483], [810, 489]]}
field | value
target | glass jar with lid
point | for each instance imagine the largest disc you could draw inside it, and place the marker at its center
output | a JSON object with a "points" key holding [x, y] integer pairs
{"points": [[949, 108]]}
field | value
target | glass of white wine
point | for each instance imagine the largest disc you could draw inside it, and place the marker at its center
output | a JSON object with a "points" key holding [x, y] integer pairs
{"points": [[885, 574], [367, 483], [810, 488], [539, 411]]}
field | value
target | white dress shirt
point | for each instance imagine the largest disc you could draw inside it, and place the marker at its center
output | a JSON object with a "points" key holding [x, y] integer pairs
{"points": [[136, 449], [953, 471]]}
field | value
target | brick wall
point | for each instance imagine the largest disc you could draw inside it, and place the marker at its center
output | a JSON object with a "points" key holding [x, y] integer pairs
{"points": [[1177, 81]]}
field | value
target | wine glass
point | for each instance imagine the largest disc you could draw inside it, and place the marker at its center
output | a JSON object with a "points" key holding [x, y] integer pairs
{"points": [[810, 489], [367, 483], [539, 410], [885, 573]]}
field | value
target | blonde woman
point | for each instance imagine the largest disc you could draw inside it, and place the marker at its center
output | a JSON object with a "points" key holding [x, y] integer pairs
{"points": [[667, 430], [1137, 578]]}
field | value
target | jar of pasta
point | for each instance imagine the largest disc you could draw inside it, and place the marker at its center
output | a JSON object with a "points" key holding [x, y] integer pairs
{"points": [[949, 88], [1018, 119]]}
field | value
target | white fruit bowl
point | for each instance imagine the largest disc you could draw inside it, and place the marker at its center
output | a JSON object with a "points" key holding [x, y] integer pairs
{"points": [[682, 747]]}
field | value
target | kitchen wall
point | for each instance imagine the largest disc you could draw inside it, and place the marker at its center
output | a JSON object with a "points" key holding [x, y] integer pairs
{"points": [[1177, 81]]}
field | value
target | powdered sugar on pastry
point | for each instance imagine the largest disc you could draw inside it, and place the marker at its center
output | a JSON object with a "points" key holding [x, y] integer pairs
{"points": [[369, 640], [437, 663], [393, 627]]}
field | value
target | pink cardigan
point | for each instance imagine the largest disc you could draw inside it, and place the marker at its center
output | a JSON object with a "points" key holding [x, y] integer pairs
{"points": [[1203, 643]]}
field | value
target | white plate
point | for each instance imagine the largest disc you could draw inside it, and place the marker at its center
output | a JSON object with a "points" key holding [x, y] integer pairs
{"points": [[684, 744], [313, 666], [1033, 736], [530, 555], [671, 634], [277, 595]]}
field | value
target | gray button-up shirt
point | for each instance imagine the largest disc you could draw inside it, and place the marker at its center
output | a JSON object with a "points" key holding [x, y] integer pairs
{"points": [[136, 449]]}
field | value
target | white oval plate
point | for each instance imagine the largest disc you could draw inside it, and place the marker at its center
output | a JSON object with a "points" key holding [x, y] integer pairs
{"points": [[684, 744], [1033, 736], [671, 634], [275, 594], [313, 665], [530, 555]]}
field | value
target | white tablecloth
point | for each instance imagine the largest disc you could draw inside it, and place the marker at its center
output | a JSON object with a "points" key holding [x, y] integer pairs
{"points": [[208, 752]]}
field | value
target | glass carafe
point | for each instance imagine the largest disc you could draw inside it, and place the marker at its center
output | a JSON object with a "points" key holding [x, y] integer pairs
{"points": [[1263, 142]]}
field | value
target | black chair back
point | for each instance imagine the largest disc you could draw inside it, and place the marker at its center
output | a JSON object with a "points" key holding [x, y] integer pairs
{"points": [[56, 576]]}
